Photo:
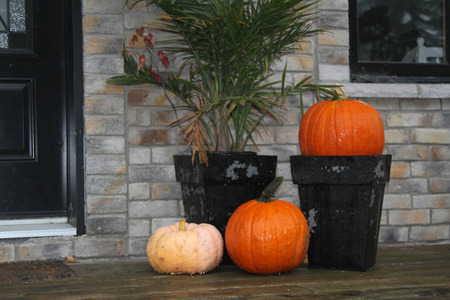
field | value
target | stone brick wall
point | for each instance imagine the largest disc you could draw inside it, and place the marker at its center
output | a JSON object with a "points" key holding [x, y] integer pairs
{"points": [[416, 206], [130, 181]]}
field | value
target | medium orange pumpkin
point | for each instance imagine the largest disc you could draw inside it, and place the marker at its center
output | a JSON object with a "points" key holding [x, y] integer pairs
{"points": [[185, 248], [341, 127], [267, 236]]}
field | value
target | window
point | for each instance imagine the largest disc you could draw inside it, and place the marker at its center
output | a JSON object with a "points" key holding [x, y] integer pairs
{"points": [[399, 40], [15, 26]]}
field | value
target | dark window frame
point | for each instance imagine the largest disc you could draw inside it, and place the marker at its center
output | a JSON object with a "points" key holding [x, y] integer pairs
{"points": [[396, 71], [75, 125]]}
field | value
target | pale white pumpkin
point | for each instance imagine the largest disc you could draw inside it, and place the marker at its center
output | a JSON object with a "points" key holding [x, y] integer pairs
{"points": [[185, 248]]}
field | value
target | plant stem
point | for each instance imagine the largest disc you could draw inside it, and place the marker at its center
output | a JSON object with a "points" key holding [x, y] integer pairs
{"points": [[182, 225], [269, 191]]}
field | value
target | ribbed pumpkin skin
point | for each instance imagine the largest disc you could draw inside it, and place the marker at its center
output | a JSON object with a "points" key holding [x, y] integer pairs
{"points": [[267, 238], [197, 249], [341, 127]]}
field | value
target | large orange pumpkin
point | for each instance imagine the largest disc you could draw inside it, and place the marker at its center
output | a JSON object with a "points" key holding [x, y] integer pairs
{"points": [[341, 127], [267, 236]]}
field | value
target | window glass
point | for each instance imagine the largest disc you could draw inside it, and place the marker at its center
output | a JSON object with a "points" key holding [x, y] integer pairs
{"points": [[401, 39], [400, 30], [13, 25]]}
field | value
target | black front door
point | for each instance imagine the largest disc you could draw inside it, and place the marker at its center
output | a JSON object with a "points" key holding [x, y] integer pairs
{"points": [[33, 109]]}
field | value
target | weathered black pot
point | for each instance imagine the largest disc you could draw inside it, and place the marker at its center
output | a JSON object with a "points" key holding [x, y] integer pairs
{"points": [[342, 199], [211, 194]]}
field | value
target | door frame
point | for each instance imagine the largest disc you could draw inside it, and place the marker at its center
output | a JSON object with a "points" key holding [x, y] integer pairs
{"points": [[76, 208]]}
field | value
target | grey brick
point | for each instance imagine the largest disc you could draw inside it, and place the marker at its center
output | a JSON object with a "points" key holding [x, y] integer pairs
{"points": [[441, 215], [49, 250], [396, 136], [411, 185], [333, 19], [138, 156], [137, 18], [384, 104], [103, 45], [430, 91], [440, 119], [402, 201], [430, 169], [153, 209], [431, 136], [420, 104], [149, 137], [95, 247], [103, 65], [139, 117], [430, 233], [393, 234], [139, 228], [333, 55], [400, 119], [102, 6], [334, 4], [105, 125], [105, 145], [115, 224], [137, 246], [161, 222], [139, 191], [106, 185], [166, 191], [96, 84], [445, 103], [106, 204], [6, 252], [409, 217], [164, 155], [283, 152], [105, 24], [440, 153], [101, 105], [431, 201], [287, 136], [440, 185], [106, 164], [400, 170], [408, 152], [151, 173], [334, 73], [284, 169], [382, 90]]}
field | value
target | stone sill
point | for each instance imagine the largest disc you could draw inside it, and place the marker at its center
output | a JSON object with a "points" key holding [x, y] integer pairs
{"points": [[397, 90], [35, 228]]}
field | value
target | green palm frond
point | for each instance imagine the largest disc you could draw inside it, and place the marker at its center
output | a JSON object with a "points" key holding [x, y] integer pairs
{"points": [[227, 48]]}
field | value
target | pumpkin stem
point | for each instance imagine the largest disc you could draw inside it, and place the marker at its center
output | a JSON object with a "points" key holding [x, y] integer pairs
{"points": [[268, 192], [182, 225], [340, 92]]}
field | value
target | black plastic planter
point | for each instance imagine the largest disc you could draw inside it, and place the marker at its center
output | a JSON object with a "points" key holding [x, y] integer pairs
{"points": [[211, 194], [342, 199]]}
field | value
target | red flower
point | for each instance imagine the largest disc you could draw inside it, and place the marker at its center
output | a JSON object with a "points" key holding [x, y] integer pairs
{"points": [[134, 40], [141, 61], [140, 31], [154, 74], [164, 59], [148, 40]]}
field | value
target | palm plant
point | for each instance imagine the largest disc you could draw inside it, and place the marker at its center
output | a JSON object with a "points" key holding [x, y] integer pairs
{"points": [[226, 48]]}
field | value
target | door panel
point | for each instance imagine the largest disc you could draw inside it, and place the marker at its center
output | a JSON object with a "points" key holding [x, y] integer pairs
{"points": [[33, 147], [16, 120]]}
